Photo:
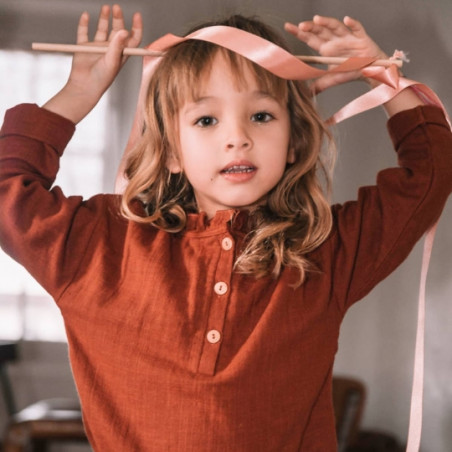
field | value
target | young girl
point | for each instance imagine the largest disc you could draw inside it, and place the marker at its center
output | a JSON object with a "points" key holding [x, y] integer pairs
{"points": [[203, 306]]}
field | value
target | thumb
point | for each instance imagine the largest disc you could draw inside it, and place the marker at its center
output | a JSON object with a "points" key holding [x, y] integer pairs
{"points": [[328, 81], [116, 47]]}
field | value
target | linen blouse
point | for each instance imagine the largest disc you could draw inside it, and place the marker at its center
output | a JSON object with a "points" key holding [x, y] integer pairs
{"points": [[172, 350]]}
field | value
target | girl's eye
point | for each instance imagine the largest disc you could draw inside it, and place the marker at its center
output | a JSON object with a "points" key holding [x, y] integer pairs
{"points": [[206, 121], [262, 116]]}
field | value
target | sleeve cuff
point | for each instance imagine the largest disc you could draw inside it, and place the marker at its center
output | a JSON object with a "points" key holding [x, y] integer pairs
{"points": [[403, 123], [31, 121]]}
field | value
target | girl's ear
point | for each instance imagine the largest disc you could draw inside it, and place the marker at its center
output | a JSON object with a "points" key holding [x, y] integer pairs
{"points": [[291, 155], [173, 164]]}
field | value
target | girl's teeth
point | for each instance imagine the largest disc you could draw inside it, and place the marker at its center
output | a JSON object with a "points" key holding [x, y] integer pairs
{"points": [[239, 169]]}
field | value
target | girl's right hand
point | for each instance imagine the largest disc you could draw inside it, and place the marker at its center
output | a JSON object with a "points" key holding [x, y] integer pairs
{"points": [[92, 74]]}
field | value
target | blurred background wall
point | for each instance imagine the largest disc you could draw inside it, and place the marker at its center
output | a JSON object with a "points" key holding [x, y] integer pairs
{"points": [[377, 337]]}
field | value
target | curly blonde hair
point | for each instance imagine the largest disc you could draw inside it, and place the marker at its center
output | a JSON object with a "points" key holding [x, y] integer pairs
{"points": [[296, 217]]}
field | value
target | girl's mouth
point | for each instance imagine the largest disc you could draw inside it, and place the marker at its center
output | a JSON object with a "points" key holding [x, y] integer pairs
{"points": [[237, 172]]}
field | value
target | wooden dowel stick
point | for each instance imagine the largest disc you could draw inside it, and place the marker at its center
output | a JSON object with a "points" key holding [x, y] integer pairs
{"points": [[130, 51], [339, 60], [76, 48]]}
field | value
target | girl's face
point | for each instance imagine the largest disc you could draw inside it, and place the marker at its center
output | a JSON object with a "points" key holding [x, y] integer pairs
{"points": [[234, 140]]}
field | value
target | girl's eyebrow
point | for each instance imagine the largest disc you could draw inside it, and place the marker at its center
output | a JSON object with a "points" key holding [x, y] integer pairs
{"points": [[195, 103], [266, 95], [202, 99]]}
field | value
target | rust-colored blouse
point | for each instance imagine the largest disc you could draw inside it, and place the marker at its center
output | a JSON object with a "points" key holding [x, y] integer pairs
{"points": [[170, 349]]}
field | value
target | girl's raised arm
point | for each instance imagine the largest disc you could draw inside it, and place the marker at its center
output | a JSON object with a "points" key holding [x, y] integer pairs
{"points": [[331, 37], [92, 74]]}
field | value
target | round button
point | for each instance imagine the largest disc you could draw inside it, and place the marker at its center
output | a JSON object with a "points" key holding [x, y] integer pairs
{"points": [[213, 336], [220, 288], [226, 243]]}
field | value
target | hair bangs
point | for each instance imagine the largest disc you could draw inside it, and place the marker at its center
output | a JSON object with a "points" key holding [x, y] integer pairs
{"points": [[188, 64]]}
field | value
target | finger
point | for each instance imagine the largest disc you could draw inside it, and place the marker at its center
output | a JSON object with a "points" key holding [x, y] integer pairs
{"points": [[305, 36], [305, 33], [103, 24], [355, 27], [82, 29], [322, 84], [117, 20], [330, 25], [291, 28], [316, 29], [136, 33], [330, 80], [114, 56]]}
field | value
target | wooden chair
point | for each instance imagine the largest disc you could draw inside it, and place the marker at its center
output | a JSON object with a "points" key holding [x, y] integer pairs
{"points": [[40, 424], [348, 399]]}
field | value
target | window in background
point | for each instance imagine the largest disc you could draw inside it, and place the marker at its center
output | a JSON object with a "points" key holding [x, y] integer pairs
{"points": [[26, 310]]}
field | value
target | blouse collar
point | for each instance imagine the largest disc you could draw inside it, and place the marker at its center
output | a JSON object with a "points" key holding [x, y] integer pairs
{"points": [[234, 218]]}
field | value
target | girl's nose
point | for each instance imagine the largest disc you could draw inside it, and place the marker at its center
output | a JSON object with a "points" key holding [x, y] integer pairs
{"points": [[238, 138]]}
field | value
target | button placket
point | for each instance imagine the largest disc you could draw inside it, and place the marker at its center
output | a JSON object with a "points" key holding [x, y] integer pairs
{"points": [[218, 307]]}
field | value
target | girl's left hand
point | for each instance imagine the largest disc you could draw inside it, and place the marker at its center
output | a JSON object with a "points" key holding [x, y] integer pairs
{"points": [[333, 38]]}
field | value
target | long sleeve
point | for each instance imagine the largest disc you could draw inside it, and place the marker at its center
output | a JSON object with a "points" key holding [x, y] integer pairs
{"points": [[375, 233], [40, 227]]}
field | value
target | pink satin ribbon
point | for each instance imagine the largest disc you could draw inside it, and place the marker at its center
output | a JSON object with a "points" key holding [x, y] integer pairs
{"points": [[415, 425], [260, 51], [287, 66]]}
